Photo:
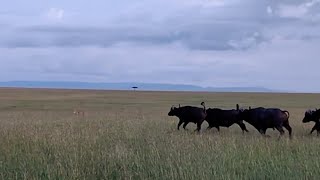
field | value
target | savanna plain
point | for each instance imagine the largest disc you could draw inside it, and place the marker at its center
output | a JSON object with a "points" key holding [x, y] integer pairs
{"points": [[129, 135]]}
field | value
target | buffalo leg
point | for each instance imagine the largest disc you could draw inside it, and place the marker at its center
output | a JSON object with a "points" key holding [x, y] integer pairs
{"points": [[218, 128], [318, 129], [199, 126], [317, 125], [263, 132], [243, 127], [184, 125], [179, 124], [280, 129], [288, 127], [313, 129]]}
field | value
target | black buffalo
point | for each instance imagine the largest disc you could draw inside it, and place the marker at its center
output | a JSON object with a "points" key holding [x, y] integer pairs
{"points": [[187, 114], [225, 118], [313, 115], [264, 118]]}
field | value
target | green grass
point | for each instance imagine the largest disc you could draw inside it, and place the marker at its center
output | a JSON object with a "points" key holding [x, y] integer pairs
{"points": [[128, 135]]}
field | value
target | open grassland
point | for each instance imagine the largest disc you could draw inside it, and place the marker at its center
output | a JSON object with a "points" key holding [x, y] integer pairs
{"points": [[128, 135]]}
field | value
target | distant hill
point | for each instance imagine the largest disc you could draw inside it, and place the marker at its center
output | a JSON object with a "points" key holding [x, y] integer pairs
{"points": [[127, 86]]}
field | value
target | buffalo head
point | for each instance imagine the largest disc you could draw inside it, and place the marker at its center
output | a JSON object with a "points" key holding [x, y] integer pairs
{"points": [[309, 116], [173, 111]]}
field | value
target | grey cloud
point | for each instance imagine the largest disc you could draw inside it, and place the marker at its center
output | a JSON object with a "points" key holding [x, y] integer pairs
{"points": [[298, 10], [212, 36], [46, 36], [196, 28]]}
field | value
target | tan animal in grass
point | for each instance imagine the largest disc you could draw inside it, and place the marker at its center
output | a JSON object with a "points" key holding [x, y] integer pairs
{"points": [[79, 112]]}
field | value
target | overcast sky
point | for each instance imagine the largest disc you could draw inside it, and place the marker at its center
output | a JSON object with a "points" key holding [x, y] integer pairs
{"points": [[219, 43]]}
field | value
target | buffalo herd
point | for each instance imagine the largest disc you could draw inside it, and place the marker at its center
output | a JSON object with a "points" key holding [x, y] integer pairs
{"points": [[260, 118]]}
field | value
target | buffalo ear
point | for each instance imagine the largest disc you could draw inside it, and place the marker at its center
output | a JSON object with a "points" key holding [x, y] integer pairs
{"points": [[179, 105], [238, 107], [249, 107]]}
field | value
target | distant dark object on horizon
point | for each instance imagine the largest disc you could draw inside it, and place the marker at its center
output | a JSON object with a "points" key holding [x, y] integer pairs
{"points": [[134, 88]]}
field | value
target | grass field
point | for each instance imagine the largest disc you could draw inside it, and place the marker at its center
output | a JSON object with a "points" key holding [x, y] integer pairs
{"points": [[128, 135]]}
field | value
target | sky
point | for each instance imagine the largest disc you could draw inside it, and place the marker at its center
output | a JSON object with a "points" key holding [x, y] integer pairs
{"points": [[218, 43]]}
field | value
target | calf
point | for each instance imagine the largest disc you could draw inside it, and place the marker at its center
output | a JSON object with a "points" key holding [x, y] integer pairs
{"points": [[187, 114], [315, 117], [264, 118], [224, 118]]}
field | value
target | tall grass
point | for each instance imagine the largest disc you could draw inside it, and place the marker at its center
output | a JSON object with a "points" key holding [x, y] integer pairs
{"points": [[128, 135]]}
